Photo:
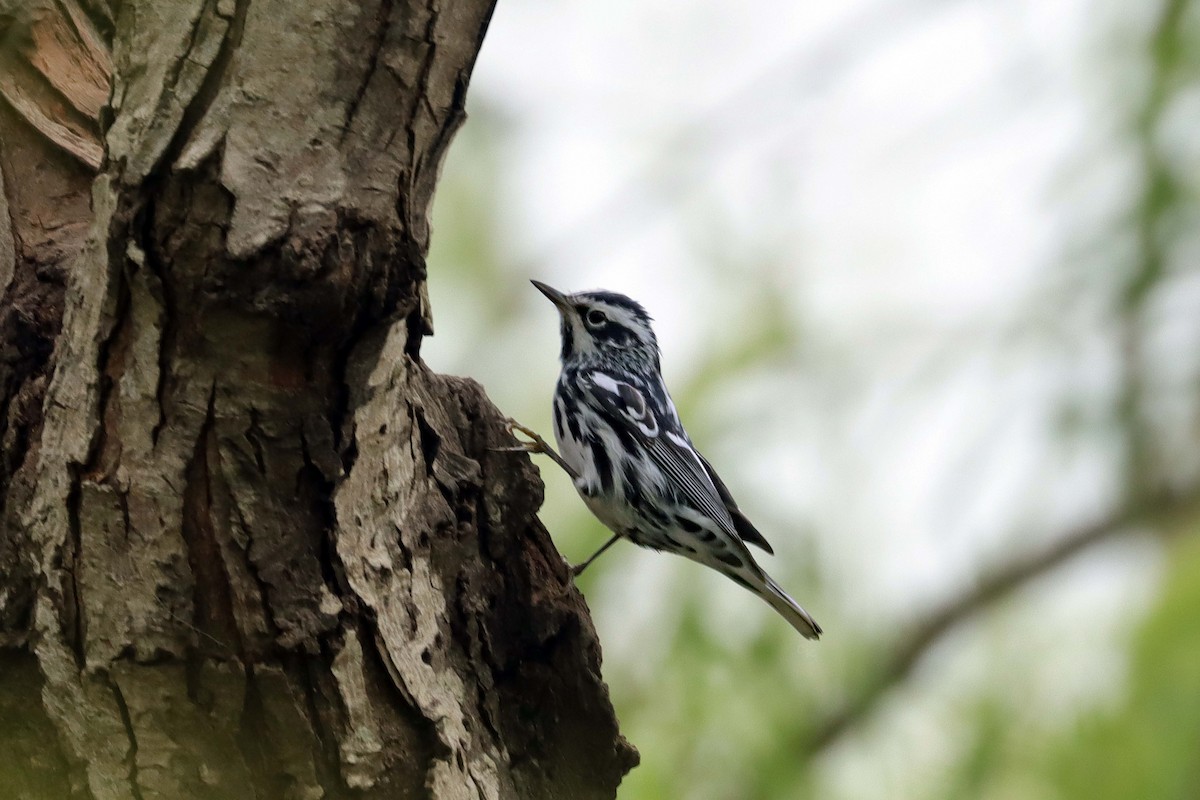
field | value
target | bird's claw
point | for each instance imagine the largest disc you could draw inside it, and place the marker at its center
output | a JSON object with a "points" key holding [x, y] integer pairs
{"points": [[536, 443]]}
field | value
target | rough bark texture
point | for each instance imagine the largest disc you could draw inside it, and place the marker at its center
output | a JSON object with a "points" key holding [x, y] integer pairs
{"points": [[250, 544]]}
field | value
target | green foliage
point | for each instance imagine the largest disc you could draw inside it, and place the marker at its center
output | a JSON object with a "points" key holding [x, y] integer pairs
{"points": [[1149, 746]]}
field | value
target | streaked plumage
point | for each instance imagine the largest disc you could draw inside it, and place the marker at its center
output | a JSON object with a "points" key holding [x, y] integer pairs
{"points": [[635, 466]]}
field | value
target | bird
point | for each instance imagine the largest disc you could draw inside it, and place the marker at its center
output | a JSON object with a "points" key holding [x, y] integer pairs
{"points": [[629, 457]]}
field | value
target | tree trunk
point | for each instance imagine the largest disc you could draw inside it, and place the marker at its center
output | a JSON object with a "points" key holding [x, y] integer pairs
{"points": [[251, 546]]}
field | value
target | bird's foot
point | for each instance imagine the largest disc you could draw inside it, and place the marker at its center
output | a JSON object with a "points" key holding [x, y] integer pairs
{"points": [[536, 444], [578, 569]]}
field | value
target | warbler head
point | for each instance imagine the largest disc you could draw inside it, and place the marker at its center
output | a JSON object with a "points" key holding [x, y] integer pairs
{"points": [[604, 327]]}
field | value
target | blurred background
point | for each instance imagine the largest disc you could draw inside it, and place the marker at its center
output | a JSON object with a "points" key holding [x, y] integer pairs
{"points": [[926, 275]]}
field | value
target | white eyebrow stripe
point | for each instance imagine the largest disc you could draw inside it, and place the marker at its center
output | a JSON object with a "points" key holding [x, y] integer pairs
{"points": [[625, 318]]}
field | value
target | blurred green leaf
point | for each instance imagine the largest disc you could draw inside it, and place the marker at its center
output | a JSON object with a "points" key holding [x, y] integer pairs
{"points": [[1148, 747]]}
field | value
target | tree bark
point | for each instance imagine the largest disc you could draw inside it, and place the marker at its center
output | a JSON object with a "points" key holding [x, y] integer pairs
{"points": [[251, 546]]}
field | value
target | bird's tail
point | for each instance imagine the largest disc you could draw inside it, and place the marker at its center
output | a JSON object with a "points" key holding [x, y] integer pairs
{"points": [[790, 610]]}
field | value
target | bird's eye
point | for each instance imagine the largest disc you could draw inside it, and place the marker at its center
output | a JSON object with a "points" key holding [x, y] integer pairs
{"points": [[596, 318]]}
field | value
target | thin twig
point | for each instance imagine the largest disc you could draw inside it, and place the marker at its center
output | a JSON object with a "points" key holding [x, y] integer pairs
{"points": [[1161, 514]]}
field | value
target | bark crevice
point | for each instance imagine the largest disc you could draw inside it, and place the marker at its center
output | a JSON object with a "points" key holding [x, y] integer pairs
{"points": [[212, 595], [130, 754], [263, 546]]}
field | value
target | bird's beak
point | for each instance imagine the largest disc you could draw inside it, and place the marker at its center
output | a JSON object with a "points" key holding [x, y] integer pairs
{"points": [[555, 296]]}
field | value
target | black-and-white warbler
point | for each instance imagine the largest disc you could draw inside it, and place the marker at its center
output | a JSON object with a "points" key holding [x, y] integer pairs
{"points": [[630, 458]]}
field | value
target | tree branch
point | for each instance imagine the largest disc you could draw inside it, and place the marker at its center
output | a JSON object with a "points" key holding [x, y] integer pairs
{"points": [[1162, 513]]}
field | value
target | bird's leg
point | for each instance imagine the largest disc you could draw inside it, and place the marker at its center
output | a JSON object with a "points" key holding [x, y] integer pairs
{"points": [[536, 445], [578, 569]]}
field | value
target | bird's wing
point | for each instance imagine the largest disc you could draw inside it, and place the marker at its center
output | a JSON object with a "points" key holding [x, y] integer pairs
{"points": [[672, 452], [744, 527]]}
